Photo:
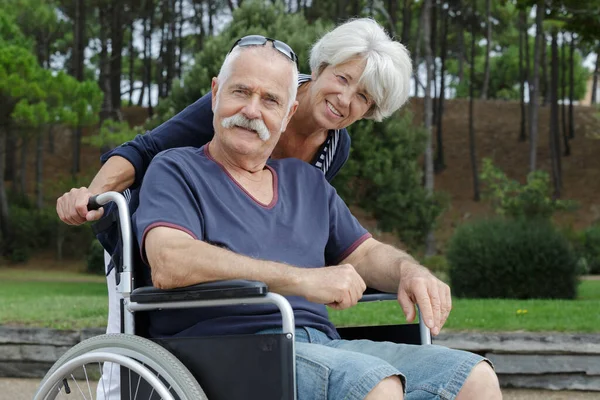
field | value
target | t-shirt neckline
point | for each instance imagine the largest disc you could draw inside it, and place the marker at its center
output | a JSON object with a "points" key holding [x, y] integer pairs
{"points": [[273, 201]]}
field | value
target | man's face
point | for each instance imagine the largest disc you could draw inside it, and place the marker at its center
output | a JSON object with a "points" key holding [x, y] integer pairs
{"points": [[256, 90]]}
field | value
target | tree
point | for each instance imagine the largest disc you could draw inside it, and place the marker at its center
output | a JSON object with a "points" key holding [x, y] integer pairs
{"points": [[488, 47], [472, 150], [534, 88], [31, 96]]}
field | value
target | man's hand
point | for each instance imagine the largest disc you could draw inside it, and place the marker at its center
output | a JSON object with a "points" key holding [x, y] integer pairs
{"points": [[71, 207], [419, 286], [338, 286]]}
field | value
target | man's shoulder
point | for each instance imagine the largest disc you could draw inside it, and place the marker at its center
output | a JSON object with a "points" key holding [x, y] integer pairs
{"points": [[180, 155]]}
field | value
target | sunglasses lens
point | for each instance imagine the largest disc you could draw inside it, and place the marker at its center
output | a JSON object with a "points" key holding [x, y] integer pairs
{"points": [[258, 40]]}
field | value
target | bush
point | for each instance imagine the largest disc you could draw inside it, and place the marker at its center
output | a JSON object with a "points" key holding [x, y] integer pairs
{"points": [[32, 230], [512, 259], [95, 258], [590, 248], [530, 200], [384, 177]]}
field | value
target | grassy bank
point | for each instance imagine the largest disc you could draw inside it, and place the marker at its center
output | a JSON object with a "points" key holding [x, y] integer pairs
{"points": [[70, 301]]}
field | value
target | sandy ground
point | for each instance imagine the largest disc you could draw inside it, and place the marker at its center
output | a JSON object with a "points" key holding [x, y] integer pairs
{"points": [[24, 389]]}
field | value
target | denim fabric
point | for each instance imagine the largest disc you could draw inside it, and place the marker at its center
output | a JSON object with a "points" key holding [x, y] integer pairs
{"points": [[343, 369]]}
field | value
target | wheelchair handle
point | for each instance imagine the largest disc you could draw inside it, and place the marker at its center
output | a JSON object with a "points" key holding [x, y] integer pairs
{"points": [[93, 203]]}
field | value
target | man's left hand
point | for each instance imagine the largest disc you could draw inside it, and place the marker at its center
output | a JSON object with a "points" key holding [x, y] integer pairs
{"points": [[421, 287]]}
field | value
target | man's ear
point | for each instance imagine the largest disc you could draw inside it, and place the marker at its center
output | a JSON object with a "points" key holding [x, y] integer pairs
{"points": [[293, 110], [214, 88]]}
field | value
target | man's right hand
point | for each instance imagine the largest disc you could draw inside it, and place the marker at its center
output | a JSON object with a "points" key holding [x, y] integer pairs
{"points": [[338, 286], [72, 209]]}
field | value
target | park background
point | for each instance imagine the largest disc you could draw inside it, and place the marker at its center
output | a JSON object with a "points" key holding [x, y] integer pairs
{"points": [[490, 174]]}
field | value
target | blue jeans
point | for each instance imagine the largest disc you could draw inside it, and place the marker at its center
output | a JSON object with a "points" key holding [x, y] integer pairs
{"points": [[349, 369]]}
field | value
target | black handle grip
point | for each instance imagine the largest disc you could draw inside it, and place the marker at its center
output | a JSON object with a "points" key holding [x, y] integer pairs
{"points": [[93, 204]]}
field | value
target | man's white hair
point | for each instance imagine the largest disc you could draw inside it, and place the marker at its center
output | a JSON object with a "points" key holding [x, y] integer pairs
{"points": [[388, 65], [225, 71]]}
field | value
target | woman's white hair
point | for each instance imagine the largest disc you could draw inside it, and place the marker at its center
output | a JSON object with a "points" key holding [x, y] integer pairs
{"points": [[388, 65], [225, 71]]}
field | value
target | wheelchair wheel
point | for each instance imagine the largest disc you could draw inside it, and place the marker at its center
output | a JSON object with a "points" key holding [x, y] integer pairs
{"points": [[145, 364]]}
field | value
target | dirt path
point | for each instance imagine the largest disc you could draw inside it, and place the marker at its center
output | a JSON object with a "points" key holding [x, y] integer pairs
{"points": [[24, 389]]}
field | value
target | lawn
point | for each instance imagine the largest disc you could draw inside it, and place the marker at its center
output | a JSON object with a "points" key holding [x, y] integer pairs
{"points": [[70, 301]]}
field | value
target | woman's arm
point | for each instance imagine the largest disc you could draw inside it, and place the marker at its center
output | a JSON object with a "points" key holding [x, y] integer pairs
{"points": [[126, 165]]}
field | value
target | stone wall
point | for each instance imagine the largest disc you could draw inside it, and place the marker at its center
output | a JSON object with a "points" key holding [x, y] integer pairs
{"points": [[522, 360]]}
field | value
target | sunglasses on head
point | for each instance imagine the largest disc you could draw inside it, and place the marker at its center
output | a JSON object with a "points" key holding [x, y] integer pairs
{"points": [[259, 40]]}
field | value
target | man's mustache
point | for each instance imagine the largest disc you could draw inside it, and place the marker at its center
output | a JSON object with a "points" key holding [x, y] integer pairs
{"points": [[256, 125]]}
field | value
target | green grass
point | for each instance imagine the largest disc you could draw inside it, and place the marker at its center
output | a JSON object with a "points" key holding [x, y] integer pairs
{"points": [[71, 301], [580, 315], [51, 300]]}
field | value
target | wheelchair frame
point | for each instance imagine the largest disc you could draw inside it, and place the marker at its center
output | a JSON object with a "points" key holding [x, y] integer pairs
{"points": [[150, 299]]}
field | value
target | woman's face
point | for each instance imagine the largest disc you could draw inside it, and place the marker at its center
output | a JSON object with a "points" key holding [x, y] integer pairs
{"points": [[337, 98]]}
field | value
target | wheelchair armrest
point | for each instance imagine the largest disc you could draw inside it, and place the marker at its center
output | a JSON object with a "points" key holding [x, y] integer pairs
{"points": [[375, 295], [231, 289]]}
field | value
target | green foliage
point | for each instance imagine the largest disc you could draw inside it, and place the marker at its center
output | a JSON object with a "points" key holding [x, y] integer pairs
{"points": [[504, 74], [521, 259], [112, 133], [590, 248], [32, 230], [383, 176], [253, 17], [530, 200], [95, 258]]}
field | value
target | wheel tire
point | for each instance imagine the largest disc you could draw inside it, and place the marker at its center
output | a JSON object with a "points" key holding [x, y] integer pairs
{"points": [[153, 355]]}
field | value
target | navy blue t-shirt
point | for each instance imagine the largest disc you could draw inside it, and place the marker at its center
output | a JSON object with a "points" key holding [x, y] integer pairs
{"points": [[306, 225]]}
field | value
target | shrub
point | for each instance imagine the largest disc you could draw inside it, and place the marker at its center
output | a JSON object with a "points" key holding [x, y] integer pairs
{"points": [[95, 258], [590, 248], [512, 259], [31, 230], [384, 177], [530, 200]]}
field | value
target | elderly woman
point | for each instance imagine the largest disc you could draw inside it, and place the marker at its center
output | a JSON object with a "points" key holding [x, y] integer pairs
{"points": [[357, 72]]}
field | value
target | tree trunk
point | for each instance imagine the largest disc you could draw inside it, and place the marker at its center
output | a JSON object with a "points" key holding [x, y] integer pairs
{"points": [[51, 141], [544, 81], [440, 164], [522, 77], [10, 149], [406, 21], [417, 59], [104, 68], [461, 41], [148, 54], [534, 88], [162, 54], [428, 103], [433, 45], [23, 166], [116, 59], [131, 62], [39, 170], [393, 11], [488, 49], [553, 139], [472, 149], [572, 87], [563, 94], [171, 57], [79, 36], [595, 79], [211, 14], [178, 73], [4, 216]]}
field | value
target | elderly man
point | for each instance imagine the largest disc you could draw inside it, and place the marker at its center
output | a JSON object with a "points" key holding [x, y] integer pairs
{"points": [[225, 211]]}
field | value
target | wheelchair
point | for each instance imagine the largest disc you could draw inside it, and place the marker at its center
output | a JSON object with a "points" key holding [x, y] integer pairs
{"points": [[224, 367]]}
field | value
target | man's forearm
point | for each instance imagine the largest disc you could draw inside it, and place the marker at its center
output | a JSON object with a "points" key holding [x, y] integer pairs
{"points": [[380, 265], [116, 174], [179, 262]]}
